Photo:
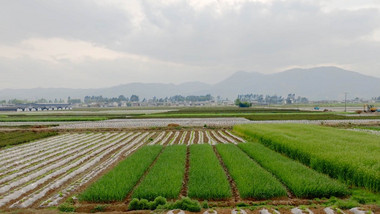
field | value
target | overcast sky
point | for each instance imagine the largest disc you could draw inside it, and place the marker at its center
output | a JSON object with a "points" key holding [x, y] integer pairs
{"points": [[81, 44]]}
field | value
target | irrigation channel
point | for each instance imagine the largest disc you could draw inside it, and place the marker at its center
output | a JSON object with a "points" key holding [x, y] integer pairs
{"points": [[45, 172]]}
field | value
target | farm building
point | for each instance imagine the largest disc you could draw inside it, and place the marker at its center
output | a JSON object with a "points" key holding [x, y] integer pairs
{"points": [[37, 107]]}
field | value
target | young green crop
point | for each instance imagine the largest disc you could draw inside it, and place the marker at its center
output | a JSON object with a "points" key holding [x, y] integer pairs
{"points": [[252, 180], [350, 156], [116, 184], [207, 179], [166, 176], [19, 137], [301, 180]]}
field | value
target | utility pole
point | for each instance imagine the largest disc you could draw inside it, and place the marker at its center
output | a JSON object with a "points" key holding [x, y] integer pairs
{"points": [[345, 101]]}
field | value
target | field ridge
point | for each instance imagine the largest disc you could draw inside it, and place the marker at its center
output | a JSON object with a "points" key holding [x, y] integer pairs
{"points": [[235, 191]]}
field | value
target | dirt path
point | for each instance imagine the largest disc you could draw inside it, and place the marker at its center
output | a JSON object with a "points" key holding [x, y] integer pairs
{"points": [[235, 191], [186, 176], [128, 198]]}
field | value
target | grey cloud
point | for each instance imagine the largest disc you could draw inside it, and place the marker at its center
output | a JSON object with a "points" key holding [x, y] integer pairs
{"points": [[85, 20], [257, 37]]}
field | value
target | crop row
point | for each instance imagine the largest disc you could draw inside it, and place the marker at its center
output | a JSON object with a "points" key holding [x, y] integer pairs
{"points": [[70, 172], [68, 159], [117, 183], [258, 172], [166, 176], [135, 141], [58, 173], [19, 137], [302, 181], [29, 172], [207, 179], [352, 157], [252, 180]]}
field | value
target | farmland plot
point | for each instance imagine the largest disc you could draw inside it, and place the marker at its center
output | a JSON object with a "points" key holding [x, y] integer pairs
{"points": [[19, 137], [116, 184], [252, 180], [45, 172], [207, 179], [166, 176], [54, 175], [301, 180], [349, 156]]}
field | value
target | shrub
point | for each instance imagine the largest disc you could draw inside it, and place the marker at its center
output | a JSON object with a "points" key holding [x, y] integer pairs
{"points": [[161, 203], [205, 205], [187, 204], [347, 204], [242, 204], [157, 202], [65, 207], [99, 208], [144, 204], [134, 204]]}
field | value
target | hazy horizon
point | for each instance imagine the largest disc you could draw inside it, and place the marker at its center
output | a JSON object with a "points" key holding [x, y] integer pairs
{"points": [[196, 81], [97, 44]]}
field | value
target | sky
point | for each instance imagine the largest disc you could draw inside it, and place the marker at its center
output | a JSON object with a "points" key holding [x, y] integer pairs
{"points": [[94, 44]]}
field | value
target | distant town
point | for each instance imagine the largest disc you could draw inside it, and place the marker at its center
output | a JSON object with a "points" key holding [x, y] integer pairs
{"points": [[242, 100]]}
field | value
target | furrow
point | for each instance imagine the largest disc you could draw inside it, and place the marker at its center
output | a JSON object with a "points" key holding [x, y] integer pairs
{"points": [[158, 138], [50, 160], [31, 161], [52, 170], [130, 147], [95, 158], [241, 140]]}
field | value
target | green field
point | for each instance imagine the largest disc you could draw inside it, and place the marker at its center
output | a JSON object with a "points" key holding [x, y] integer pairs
{"points": [[280, 162], [253, 113], [374, 128], [166, 176], [19, 137], [302, 181], [116, 184], [56, 117], [258, 114], [207, 179], [252, 180], [349, 156]]}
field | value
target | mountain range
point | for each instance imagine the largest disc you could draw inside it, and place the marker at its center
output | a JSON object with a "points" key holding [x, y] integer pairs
{"points": [[319, 83]]}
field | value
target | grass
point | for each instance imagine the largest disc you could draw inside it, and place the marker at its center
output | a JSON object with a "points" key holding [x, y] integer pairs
{"points": [[251, 179], [306, 116], [19, 137], [166, 176], [352, 157], [302, 181], [116, 184], [254, 113], [56, 118], [234, 109], [207, 179], [374, 128]]}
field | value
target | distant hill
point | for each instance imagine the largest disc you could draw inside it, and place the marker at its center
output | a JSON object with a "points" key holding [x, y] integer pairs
{"points": [[320, 83]]}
